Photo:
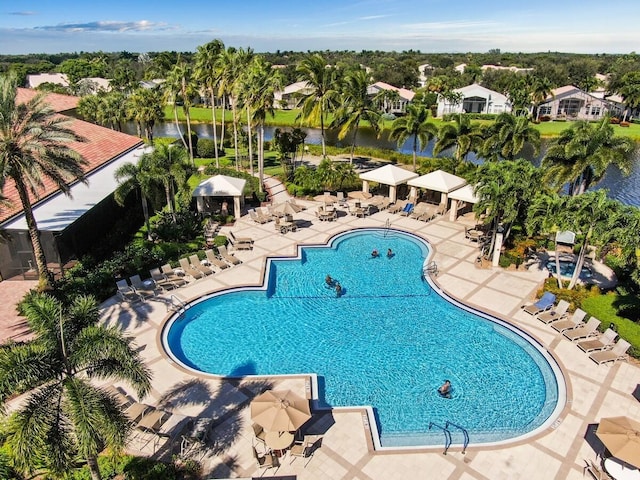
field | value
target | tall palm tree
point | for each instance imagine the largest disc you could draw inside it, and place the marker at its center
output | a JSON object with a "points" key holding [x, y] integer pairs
{"points": [[34, 146], [630, 91], [357, 105], [581, 154], [144, 107], [320, 97], [539, 89], [414, 124], [131, 177], [506, 138], [463, 135], [179, 88], [208, 74], [65, 416]]}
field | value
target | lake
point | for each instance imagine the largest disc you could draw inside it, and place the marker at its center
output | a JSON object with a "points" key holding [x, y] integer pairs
{"points": [[624, 189]]}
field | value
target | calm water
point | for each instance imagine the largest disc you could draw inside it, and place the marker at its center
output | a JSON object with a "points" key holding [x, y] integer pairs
{"points": [[389, 341]]}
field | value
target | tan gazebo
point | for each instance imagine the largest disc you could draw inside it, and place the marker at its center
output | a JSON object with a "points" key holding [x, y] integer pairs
{"points": [[389, 175], [464, 194], [220, 186], [438, 181]]}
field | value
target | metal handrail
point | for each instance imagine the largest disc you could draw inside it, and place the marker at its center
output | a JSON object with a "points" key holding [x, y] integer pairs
{"points": [[181, 304], [464, 433], [447, 436]]}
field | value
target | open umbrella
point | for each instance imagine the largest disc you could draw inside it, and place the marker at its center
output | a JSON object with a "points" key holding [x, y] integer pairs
{"points": [[280, 411], [326, 198], [359, 195], [621, 436], [285, 208]]}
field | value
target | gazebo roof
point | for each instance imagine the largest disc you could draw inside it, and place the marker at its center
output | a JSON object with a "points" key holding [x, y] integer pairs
{"points": [[440, 181], [389, 175], [464, 194], [220, 186], [567, 237]]}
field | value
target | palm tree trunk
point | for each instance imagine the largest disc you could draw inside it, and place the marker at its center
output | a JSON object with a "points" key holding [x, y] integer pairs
{"points": [[261, 157], [186, 114], [415, 152], [235, 132], [324, 144], [167, 192], [250, 142], [213, 122], [580, 260], [175, 116], [224, 111], [92, 463], [145, 212], [353, 145], [45, 277]]}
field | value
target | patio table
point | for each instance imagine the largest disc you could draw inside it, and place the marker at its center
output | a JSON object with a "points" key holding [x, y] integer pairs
{"points": [[278, 441]]}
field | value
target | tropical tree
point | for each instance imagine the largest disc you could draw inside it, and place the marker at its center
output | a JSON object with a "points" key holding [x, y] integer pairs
{"points": [[462, 135], [287, 143], [357, 105], [180, 88], [34, 146], [630, 91], [386, 98], [506, 137], [88, 108], [144, 107], [208, 74], [414, 124], [112, 110], [320, 96], [540, 88], [65, 415], [132, 177], [581, 154]]}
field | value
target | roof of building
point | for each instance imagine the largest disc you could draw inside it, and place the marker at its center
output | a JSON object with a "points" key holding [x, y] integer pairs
{"points": [[101, 146], [476, 90], [439, 180], [37, 79], [403, 92], [389, 175], [220, 186], [59, 103]]}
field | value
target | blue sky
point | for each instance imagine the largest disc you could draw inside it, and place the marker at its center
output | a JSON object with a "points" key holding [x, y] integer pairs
{"points": [[581, 26]]}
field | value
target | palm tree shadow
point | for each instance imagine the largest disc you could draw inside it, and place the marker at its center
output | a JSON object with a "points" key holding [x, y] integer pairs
{"points": [[124, 316]]}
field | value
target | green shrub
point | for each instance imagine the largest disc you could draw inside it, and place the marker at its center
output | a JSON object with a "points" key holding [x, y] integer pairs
{"points": [[186, 226], [449, 117], [207, 149]]}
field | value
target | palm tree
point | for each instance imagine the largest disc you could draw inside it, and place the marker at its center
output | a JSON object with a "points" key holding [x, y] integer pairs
{"points": [[630, 91], [144, 107], [506, 138], [581, 154], [320, 96], [130, 177], [539, 90], [65, 416], [463, 135], [357, 105], [34, 147], [179, 88], [207, 73], [414, 124]]}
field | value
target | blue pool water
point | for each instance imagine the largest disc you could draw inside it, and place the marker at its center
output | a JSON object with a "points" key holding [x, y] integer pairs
{"points": [[389, 341], [567, 268]]}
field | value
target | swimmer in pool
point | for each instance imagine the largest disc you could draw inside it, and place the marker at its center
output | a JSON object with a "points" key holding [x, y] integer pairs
{"points": [[329, 281], [375, 253], [445, 389]]}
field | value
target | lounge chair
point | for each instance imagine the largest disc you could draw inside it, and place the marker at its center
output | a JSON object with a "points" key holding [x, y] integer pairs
{"points": [[171, 275], [576, 320], [545, 303], [596, 472], [342, 200], [144, 289], [163, 424], [126, 293], [590, 329], [257, 218], [618, 352], [133, 410], [398, 206], [408, 208], [603, 341], [419, 210], [298, 207], [556, 313], [228, 257], [265, 460], [213, 260], [189, 270], [195, 263], [164, 282], [240, 243]]}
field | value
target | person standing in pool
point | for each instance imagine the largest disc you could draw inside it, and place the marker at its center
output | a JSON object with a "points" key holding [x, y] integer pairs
{"points": [[374, 253], [329, 281], [338, 290], [389, 253], [445, 389]]}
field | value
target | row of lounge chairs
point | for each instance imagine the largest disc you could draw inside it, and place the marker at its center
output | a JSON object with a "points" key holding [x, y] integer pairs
{"points": [[422, 211], [601, 347], [167, 278]]}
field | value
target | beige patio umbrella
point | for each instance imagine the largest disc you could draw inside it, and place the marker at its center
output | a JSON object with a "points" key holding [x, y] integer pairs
{"points": [[280, 411], [286, 208], [326, 198], [621, 436], [359, 195]]}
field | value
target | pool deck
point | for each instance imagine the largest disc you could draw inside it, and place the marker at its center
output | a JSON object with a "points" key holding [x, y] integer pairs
{"points": [[345, 450]]}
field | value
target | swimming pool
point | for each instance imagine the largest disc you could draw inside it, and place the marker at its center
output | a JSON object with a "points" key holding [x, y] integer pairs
{"points": [[388, 341]]}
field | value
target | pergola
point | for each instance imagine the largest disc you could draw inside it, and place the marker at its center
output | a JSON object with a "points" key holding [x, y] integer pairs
{"points": [[463, 194], [389, 175], [220, 186], [439, 181]]}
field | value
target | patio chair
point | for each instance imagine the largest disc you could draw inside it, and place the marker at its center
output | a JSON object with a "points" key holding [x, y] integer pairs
{"points": [[408, 208], [576, 320], [189, 270], [590, 329], [171, 275], [161, 281], [301, 448], [618, 352], [228, 257], [126, 293], [133, 410], [299, 207], [545, 303], [213, 260], [258, 432], [342, 199], [257, 218], [596, 472], [556, 313], [145, 289], [419, 210], [265, 460], [602, 342], [195, 262], [240, 243], [398, 206]]}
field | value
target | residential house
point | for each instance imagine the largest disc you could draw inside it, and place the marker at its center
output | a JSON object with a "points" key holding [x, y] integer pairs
{"points": [[423, 74], [289, 97], [37, 79], [67, 224], [473, 99], [398, 99], [570, 102]]}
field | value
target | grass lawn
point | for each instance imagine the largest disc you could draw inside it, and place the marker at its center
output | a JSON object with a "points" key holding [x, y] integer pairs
{"points": [[604, 308]]}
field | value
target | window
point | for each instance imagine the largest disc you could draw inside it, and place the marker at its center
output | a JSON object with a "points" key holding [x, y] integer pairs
{"points": [[544, 110]]}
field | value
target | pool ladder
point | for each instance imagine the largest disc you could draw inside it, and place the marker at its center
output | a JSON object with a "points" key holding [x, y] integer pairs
{"points": [[430, 269], [447, 435], [176, 304]]}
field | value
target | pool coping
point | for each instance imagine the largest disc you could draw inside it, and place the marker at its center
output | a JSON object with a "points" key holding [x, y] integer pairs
{"points": [[368, 418]]}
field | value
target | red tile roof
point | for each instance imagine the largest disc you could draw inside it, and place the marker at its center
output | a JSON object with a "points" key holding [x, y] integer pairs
{"points": [[101, 145]]}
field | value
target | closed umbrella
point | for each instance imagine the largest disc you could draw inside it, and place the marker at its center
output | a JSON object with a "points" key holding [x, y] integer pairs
{"points": [[359, 195], [621, 436], [326, 198], [285, 208], [280, 411]]}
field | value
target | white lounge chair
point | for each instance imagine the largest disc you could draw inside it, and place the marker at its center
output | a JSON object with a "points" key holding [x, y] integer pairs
{"points": [[618, 352], [144, 289], [228, 257], [556, 313], [576, 320], [590, 329], [189, 270], [197, 264], [126, 293], [602, 342]]}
